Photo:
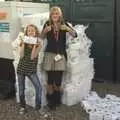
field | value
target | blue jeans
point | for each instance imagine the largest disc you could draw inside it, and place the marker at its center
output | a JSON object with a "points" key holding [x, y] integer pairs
{"points": [[35, 81]]}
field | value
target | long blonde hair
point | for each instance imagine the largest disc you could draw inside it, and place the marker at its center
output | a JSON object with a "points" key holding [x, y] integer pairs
{"points": [[56, 8]]}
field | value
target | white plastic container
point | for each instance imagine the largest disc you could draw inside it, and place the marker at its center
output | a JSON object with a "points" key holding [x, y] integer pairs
{"points": [[10, 23]]}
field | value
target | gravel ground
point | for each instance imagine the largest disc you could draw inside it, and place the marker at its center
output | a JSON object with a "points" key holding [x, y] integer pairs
{"points": [[9, 108]]}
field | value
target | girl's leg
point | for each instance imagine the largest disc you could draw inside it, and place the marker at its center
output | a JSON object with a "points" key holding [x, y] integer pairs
{"points": [[38, 88], [57, 86], [50, 82], [50, 94], [21, 83]]}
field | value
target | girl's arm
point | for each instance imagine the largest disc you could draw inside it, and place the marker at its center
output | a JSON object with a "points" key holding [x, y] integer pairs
{"points": [[69, 29], [43, 34], [21, 41], [45, 30], [36, 49]]}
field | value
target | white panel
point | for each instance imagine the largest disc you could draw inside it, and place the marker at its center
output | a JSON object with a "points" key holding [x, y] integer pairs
{"points": [[14, 11]]}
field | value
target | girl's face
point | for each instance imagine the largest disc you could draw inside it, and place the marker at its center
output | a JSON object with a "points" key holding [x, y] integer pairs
{"points": [[55, 16], [31, 31]]}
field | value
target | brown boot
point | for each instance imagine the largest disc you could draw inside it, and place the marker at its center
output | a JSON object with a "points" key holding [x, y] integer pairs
{"points": [[51, 101]]}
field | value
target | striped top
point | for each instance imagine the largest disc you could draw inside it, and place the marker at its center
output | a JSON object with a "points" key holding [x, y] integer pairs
{"points": [[26, 65]]}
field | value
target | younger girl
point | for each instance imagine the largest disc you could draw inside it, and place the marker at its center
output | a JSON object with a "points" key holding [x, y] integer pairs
{"points": [[27, 65]]}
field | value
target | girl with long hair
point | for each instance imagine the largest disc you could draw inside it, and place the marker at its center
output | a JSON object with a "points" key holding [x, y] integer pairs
{"points": [[54, 62]]}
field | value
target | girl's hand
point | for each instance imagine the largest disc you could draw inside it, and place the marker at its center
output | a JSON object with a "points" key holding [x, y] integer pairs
{"points": [[69, 29], [35, 51], [63, 27], [39, 45], [66, 28], [47, 28]]}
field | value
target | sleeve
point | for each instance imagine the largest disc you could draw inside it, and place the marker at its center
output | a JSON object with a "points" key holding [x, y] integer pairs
{"points": [[46, 23], [42, 34], [68, 24]]}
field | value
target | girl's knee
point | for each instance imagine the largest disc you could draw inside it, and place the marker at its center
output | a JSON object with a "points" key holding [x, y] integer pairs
{"points": [[49, 88], [57, 87]]}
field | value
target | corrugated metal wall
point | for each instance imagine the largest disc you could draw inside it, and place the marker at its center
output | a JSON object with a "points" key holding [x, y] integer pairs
{"points": [[99, 14]]}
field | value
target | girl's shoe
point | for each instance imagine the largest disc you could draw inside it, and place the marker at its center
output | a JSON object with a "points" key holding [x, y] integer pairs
{"points": [[22, 110], [51, 101], [37, 107]]}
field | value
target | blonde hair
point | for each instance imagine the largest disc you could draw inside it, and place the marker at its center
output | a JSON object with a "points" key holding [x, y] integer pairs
{"points": [[35, 48], [58, 9], [36, 30]]}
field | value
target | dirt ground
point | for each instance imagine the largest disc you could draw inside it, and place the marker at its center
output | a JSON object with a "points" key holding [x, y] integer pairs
{"points": [[9, 108]]}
